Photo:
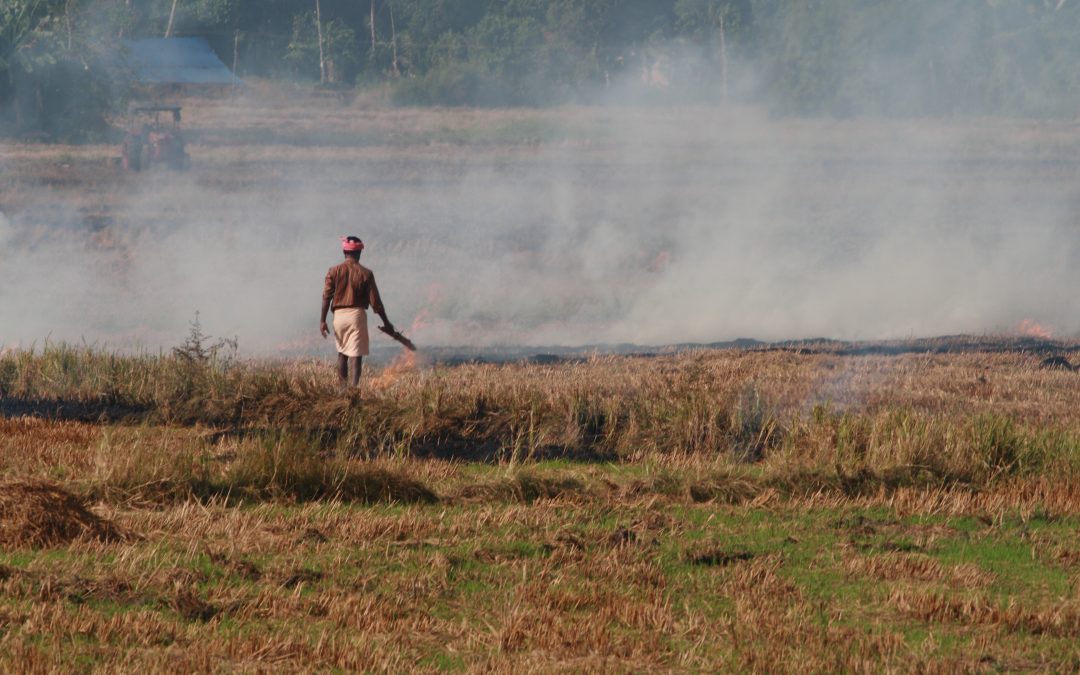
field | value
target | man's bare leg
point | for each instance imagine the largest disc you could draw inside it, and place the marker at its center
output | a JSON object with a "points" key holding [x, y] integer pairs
{"points": [[342, 369], [356, 364]]}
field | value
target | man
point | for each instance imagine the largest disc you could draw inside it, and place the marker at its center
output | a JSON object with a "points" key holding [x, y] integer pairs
{"points": [[349, 290]]}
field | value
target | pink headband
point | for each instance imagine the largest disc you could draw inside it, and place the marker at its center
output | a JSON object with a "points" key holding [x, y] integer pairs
{"points": [[350, 246]]}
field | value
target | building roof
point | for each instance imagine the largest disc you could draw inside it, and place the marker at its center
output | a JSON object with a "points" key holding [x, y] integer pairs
{"points": [[186, 60]]}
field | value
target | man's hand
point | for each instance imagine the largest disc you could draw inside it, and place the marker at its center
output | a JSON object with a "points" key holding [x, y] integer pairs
{"points": [[323, 329], [387, 327]]}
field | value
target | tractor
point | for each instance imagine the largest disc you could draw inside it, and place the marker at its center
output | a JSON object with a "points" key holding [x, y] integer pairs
{"points": [[151, 140]]}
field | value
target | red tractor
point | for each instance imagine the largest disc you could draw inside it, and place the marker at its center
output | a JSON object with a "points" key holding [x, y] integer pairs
{"points": [[151, 141]]}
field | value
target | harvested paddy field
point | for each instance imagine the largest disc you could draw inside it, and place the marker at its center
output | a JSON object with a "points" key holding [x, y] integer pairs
{"points": [[709, 510], [512, 501]]}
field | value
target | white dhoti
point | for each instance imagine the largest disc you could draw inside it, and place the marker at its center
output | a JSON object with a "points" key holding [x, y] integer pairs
{"points": [[350, 331]]}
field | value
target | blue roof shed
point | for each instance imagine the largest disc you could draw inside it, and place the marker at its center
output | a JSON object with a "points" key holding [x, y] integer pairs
{"points": [[188, 60]]}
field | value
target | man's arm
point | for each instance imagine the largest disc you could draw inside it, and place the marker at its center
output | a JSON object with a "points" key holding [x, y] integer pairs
{"points": [[322, 317], [375, 300], [327, 295]]}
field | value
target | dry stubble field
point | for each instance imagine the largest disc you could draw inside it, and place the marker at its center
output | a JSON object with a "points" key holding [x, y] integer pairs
{"points": [[713, 510], [738, 510]]}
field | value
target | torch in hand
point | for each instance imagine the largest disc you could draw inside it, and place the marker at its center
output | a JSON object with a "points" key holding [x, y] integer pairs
{"points": [[396, 334]]}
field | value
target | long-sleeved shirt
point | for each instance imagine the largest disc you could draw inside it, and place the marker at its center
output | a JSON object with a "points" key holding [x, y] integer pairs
{"points": [[350, 284]]}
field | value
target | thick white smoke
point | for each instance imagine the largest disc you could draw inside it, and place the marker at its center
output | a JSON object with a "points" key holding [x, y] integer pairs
{"points": [[645, 225]]}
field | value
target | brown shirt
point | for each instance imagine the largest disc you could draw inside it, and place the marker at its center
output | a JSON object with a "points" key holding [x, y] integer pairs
{"points": [[350, 284]]}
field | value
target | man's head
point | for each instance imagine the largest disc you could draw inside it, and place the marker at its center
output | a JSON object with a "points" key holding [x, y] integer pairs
{"points": [[351, 246]]}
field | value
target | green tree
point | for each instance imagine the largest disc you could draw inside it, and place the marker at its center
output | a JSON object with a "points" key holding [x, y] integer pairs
{"points": [[340, 48], [52, 78], [19, 22]]}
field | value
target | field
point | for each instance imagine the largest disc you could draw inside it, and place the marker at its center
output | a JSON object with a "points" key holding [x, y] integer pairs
{"points": [[894, 505], [761, 510]]}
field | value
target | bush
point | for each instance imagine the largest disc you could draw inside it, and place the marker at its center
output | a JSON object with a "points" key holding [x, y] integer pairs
{"points": [[460, 85], [64, 98]]}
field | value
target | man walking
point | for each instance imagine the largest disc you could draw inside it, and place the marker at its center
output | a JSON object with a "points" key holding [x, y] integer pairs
{"points": [[349, 290]]}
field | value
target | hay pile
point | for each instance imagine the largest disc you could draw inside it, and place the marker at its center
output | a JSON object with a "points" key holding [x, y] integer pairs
{"points": [[36, 514]]}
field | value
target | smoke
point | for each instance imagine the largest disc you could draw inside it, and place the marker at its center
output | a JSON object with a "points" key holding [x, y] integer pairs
{"points": [[647, 225], [865, 229]]}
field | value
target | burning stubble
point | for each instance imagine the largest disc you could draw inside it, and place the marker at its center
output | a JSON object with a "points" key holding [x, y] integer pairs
{"points": [[642, 225]]}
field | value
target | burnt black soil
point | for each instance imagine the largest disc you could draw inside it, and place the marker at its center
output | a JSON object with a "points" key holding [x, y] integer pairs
{"points": [[950, 344]]}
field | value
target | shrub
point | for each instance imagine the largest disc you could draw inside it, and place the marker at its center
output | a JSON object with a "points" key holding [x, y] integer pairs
{"points": [[451, 85]]}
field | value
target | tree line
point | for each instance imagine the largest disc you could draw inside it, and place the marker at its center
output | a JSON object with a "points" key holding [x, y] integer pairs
{"points": [[826, 57]]}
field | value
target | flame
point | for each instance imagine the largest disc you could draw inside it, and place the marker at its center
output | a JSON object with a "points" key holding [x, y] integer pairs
{"points": [[1029, 328], [405, 362]]}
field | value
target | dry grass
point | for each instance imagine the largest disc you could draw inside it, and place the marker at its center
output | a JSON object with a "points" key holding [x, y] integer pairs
{"points": [[540, 586], [1062, 620], [712, 402], [258, 431], [917, 567], [38, 514]]}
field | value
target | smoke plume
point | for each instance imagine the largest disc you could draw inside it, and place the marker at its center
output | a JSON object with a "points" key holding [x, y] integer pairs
{"points": [[647, 225]]}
